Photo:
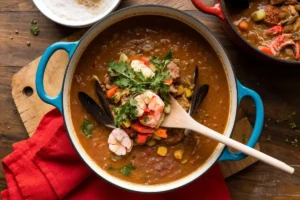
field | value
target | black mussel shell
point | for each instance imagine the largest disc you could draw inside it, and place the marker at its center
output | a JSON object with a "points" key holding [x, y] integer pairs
{"points": [[199, 93], [95, 110]]}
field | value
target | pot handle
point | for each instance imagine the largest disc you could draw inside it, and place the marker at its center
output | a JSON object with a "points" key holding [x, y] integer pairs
{"points": [[69, 47], [215, 10], [259, 121]]}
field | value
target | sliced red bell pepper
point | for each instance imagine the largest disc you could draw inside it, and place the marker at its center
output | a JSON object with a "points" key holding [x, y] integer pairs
{"points": [[142, 138], [138, 127], [145, 59], [266, 50]]}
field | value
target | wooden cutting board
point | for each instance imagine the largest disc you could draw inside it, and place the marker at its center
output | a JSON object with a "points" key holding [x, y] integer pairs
{"points": [[31, 108]]}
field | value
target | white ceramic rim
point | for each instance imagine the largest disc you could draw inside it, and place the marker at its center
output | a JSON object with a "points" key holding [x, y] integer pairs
{"points": [[90, 35], [74, 24]]}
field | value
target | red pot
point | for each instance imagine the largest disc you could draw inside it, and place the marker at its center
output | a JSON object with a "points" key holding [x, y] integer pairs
{"points": [[219, 10]]}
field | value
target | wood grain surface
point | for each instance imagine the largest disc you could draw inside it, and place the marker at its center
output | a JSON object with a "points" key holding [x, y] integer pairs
{"points": [[278, 87]]}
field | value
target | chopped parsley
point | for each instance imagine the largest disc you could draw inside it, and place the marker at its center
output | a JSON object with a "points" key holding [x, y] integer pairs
{"points": [[35, 30], [125, 77], [244, 138], [293, 125], [127, 169], [33, 22], [294, 142], [87, 128], [146, 119], [286, 118], [125, 111]]}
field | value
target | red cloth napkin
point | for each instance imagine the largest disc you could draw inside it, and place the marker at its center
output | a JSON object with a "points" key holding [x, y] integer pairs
{"points": [[46, 166]]}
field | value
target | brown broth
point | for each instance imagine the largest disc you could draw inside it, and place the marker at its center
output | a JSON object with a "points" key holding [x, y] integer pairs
{"points": [[191, 50]]}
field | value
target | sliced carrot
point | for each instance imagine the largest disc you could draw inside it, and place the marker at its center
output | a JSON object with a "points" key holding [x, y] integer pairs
{"points": [[161, 133], [267, 50], [168, 81], [111, 92], [142, 129], [142, 138], [134, 57]]}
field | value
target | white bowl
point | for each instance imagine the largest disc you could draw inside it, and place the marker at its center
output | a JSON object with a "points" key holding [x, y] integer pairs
{"points": [[106, 5]]}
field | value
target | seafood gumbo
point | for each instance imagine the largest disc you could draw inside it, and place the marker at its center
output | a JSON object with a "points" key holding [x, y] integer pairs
{"points": [[272, 26], [120, 95]]}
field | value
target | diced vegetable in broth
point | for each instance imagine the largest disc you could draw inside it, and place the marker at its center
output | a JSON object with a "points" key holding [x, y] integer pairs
{"points": [[258, 15]]}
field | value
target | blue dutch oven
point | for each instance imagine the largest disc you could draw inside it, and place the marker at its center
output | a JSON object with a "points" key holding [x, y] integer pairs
{"points": [[75, 50]]}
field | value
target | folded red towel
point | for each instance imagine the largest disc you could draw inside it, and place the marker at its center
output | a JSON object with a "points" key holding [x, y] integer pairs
{"points": [[46, 166]]}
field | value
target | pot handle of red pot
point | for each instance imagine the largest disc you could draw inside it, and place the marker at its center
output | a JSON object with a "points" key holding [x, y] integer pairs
{"points": [[69, 47], [215, 10], [259, 121]]}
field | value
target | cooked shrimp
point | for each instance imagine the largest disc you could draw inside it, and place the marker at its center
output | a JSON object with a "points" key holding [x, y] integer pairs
{"points": [[150, 108], [139, 66], [119, 142]]}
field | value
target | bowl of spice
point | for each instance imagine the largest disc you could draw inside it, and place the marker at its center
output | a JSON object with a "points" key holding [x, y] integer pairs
{"points": [[76, 13]]}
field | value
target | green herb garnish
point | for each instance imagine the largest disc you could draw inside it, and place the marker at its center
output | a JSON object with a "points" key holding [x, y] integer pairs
{"points": [[125, 112], [269, 138], [87, 128], [286, 118], [126, 77], [293, 125], [146, 119], [161, 75], [168, 56], [33, 22], [294, 142], [244, 138], [126, 170], [35, 30], [110, 168]]}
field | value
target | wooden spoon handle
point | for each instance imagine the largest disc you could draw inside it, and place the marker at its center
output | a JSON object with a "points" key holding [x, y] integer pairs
{"points": [[195, 126]]}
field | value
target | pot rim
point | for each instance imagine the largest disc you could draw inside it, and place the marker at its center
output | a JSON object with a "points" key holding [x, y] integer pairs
{"points": [[163, 186], [278, 60]]}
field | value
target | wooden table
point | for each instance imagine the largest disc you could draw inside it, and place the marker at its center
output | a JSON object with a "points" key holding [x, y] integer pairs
{"points": [[279, 88]]}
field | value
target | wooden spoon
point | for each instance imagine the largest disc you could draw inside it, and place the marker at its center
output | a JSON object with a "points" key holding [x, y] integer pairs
{"points": [[179, 118]]}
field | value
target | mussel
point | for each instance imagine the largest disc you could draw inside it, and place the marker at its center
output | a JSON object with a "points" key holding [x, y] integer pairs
{"points": [[198, 95], [102, 113]]}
